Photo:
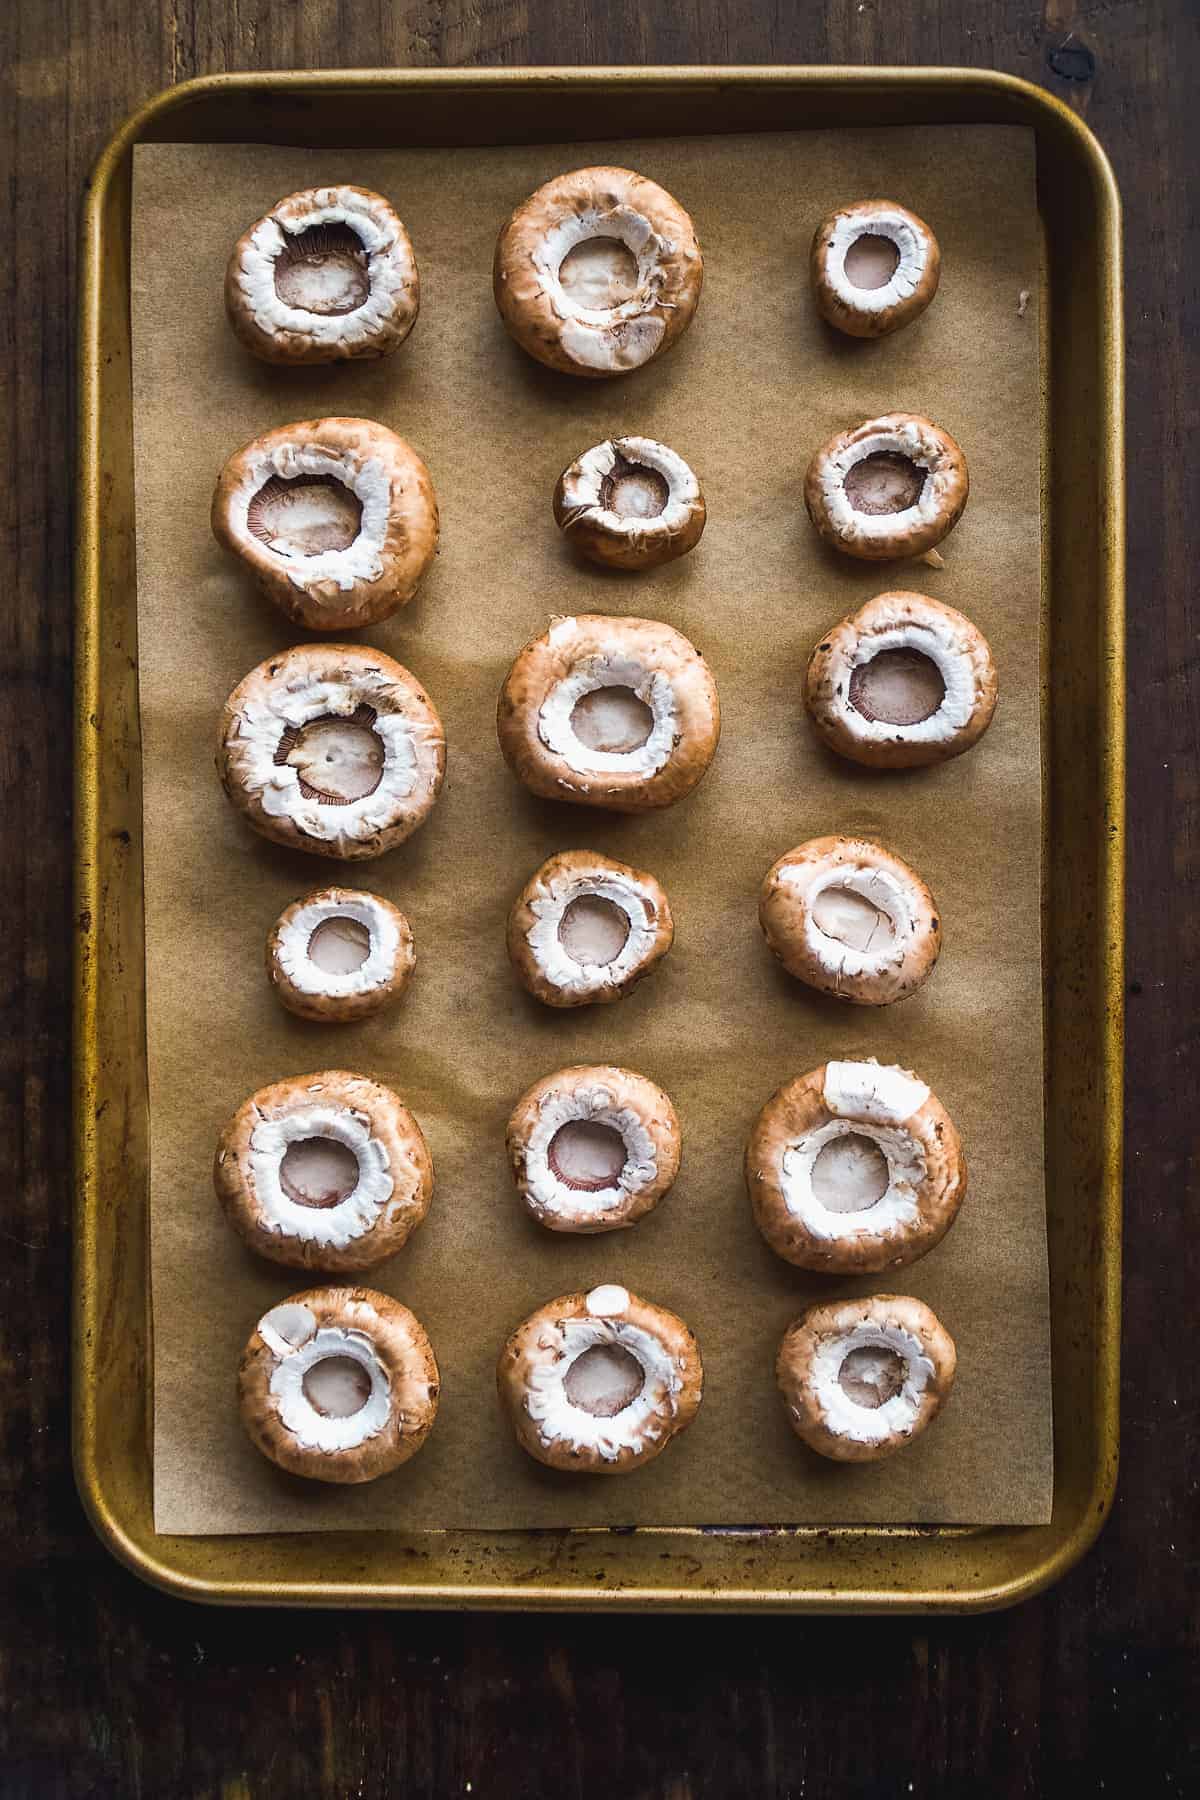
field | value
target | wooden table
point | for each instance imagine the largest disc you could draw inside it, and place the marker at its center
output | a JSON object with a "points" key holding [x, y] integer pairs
{"points": [[110, 1689]]}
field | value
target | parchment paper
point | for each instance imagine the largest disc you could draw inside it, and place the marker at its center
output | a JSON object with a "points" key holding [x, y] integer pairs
{"points": [[750, 391]]}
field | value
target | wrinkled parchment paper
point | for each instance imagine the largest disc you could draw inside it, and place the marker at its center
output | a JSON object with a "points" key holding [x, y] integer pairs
{"points": [[749, 392]]}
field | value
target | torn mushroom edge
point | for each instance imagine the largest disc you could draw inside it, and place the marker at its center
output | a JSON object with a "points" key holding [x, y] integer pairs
{"points": [[623, 541], [567, 868], [938, 508], [867, 312], [330, 1008]]}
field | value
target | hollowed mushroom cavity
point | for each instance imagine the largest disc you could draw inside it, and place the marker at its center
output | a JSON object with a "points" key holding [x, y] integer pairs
{"points": [[339, 946], [336, 1387], [318, 1172], [593, 930], [612, 719], [338, 760], [323, 270], [870, 1375], [587, 1155], [599, 273], [306, 515], [886, 482], [634, 490], [604, 1380], [852, 919], [871, 261], [850, 1174], [897, 687]]}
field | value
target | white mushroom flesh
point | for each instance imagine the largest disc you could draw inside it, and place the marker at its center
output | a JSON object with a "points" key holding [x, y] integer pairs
{"points": [[910, 247], [339, 946], [557, 714], [871, 261], [871, 1104], [867, 904], [304, 518], [334, 1225], [867, 1421], [318, 1171], [593, 930], [961, 664], [553, 953], [294, 1382], [317, 949], [606, 303], [614, 486], [286, 1327], [556, 1189], [639, 1424], [323, 269], [258, 505], [909, 442], [852, 919]]}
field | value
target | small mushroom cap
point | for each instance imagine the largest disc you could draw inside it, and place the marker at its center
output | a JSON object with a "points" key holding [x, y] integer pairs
{"points": [[593, 650], [278, 332], [809, 1360], [575, 208], [309, 991], [381, 569], [385, 1338], [893, 1108], [533, 923], [793, 885], [619, 540], [880, 537], [394, 1182], [535, 1359], [874, 312], [314, 681], [601, 1093]]}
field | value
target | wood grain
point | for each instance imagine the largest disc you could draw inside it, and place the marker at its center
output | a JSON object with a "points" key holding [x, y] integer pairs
{"points": [[109, 1689]]}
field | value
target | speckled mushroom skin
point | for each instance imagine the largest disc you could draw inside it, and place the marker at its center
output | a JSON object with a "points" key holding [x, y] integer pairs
{"points": [[558, 875], [804, 1338], [925, 444], [835, 307], [371, 330], [403, 1349], [404, 549], [390, 689], [536, 1334], [783, 913], [646, 543], [798, 1108], [827, 680], [338, 1009], [527, 308], [551, 657], [642, 1097], [409, 1165]]}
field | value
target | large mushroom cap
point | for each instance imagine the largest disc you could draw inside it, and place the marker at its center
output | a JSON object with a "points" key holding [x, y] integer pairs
{"points": [[585, 929], [592, 1148], [891, 487]]}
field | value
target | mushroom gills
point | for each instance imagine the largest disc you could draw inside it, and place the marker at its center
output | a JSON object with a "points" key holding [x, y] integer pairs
{"points": [[871, 261], [587, 1155], [304, 515], [852, 919], [604, 1380], [323, 270], [318, 1172], [849, 1174], [598, 274], [885, 482], [338, 760], [897, 687], [612, 720], [593, 931], [870, 1375], [339, 946], [634, 490], [337, 1386]]}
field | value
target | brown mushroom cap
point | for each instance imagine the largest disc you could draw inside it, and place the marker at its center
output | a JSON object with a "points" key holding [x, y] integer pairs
{"points": [[346, 716], [854, 1132], [630, 503], [338, 1384], [328, 274], [924, 646], [645, 282], [621, 899], [592, 1148], [324, 1171], [613, 1329], [339, 954], [914, 489], [647, 666], [873, 301], [336, 519], [850, 918], [863, 1378]]}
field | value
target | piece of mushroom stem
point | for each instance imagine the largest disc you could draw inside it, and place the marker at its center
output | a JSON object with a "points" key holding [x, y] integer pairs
{"points": [[933, 558]]}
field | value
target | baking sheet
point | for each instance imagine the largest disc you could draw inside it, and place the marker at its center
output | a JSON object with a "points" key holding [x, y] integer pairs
{"points": [[746, 395]]}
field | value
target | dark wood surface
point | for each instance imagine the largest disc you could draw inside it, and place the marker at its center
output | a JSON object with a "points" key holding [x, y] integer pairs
{"points": [[109, 1689]]}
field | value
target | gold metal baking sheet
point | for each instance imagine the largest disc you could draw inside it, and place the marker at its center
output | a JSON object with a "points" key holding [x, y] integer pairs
{"points": [[864, 1567]]}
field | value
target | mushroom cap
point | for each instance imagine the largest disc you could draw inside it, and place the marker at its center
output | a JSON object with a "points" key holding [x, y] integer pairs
{"points": [[793, 886], [604, 1095], [314, 993], [593, 650], [365, 1327], [295, 689], [393, 1188], [541, 964], [810, 1359], [397, 537], [620, 540], [576, 208], [281, 333], [879, 537], [873, 312], [537, 1357], [909, 1126], [902, 621]]}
